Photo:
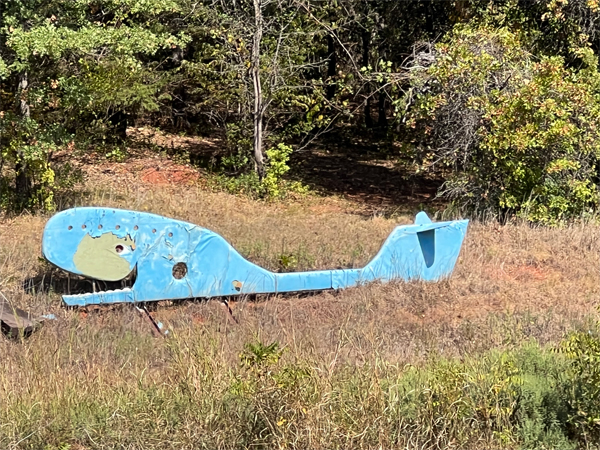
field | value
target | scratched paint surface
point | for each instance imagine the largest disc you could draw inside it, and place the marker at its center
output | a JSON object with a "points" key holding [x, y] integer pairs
{"points": [[107, 244]]}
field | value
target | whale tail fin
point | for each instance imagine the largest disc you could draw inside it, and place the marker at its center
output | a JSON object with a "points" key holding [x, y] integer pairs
{"points": [[422, 218], [425, 250]]}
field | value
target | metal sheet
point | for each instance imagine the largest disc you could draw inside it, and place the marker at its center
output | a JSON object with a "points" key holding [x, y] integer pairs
{"points": [[176, 260]]}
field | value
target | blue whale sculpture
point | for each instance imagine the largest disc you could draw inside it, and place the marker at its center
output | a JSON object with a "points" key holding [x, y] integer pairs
{"points": [[178, 260]]}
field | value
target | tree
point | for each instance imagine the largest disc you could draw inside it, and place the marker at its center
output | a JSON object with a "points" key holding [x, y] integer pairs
{"points": [[260, 67], [66, 64]]}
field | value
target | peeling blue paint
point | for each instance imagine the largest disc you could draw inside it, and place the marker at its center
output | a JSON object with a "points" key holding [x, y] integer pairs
{"points": [[425, 250]]}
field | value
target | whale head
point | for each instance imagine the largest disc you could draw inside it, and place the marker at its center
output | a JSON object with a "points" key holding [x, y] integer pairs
{"points": [[94, 242]]}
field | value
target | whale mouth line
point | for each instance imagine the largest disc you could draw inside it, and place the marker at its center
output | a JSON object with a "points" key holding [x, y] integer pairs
{"points": [[86, 287], [103, 297], [111, 293]]}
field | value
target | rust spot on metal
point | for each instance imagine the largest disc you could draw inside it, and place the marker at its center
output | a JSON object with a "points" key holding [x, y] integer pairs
{"points": [[237, 285]]}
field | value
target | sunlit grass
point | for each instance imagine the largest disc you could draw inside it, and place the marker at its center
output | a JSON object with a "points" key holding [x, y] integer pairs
{"points": [[403, 365]]}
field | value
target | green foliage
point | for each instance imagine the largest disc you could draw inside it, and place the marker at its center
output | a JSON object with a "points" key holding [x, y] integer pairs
{"points": [[273, 396], [257, 355], [118, 154], [27, 145], [583, 349], [272, 186], [505, 107], [529, 398], [513, 135], [542, 411], [68, 69]]}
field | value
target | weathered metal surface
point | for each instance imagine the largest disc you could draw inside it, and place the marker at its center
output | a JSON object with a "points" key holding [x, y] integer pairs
{"points": [[177, 260], [15, 321]]}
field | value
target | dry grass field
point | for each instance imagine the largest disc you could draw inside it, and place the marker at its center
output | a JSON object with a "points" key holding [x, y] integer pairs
{"points": [[349, 369]]}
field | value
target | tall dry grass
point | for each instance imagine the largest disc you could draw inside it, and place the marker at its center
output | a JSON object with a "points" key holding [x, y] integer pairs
{"points": [[356, 367]]}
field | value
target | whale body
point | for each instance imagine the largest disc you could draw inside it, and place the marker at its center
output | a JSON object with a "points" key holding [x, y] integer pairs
{"points": [[174, 259]]}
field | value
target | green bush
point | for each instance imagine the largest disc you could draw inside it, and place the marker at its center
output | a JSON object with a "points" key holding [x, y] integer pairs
{"points": [[511, 133], [272, 185], [27, 148], [583, 349]]}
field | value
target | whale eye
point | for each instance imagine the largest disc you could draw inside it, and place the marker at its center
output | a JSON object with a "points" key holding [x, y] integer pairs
{"points": [[119, 248]]}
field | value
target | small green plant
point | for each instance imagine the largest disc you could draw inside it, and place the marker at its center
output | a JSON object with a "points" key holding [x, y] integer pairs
{"points": [[276, 168], [118, 154], [288, 261], [272, 186], [257, 355], [239, 143]]}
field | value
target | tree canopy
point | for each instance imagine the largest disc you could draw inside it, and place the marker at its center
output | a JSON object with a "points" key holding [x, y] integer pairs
{"points": [[500, 99]]}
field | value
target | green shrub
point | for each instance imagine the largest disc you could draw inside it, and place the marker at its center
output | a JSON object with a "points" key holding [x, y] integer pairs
{"points": [[27, 148], [273, 185], [583, 349], [541, 415], [512, 133]]}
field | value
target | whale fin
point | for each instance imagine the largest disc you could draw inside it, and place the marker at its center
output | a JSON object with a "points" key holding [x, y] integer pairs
{"points": [[422, 218]]}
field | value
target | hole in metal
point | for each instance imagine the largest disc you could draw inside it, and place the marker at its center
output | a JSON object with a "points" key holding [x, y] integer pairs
{"points": [[83, 227], [99, 227], [119, 248], [70, 227], [117, 227], [179, 270], [154, 230], [170, 234], [135, 228]]}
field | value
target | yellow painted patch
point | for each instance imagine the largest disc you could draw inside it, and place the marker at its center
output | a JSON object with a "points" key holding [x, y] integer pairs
{"points": [[101, 258]]}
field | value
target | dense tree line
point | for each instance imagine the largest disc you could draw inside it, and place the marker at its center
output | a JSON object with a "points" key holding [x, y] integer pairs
{"points": [[500, 98]]}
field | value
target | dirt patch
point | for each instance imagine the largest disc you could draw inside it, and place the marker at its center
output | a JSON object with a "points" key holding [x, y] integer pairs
{"points": [[524, 273], [140, 170], [370, 179], [169, 176]]}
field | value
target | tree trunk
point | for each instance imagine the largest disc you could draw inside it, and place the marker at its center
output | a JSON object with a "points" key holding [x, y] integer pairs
{"points": [[258, 99], [331, 67], [23, 105], [23, 180], [118, 121], [382, 119], [366, 41]]}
